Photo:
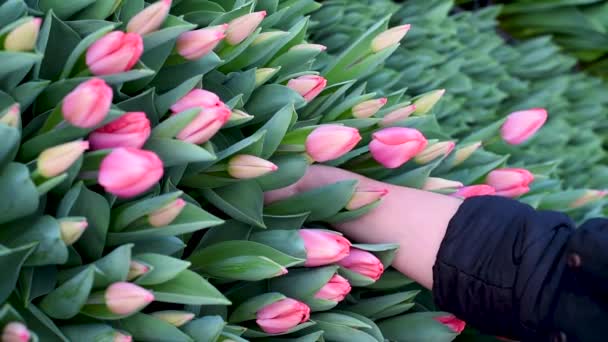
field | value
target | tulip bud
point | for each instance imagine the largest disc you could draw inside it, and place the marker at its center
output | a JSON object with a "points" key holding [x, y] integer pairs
{"points": [[588, 197], [425, 103], [464, 153], [15, 332], [213, 115], [120, 337], [521, 126], [12, 117], [128, 172], [510, 182], [129, 130], [193, 45], [124, 298], [150, 19], [363, 197], [165, 215], [475, 190], [72, 229], [452, 322], [432, 152], [323, 247], [282, 315], [389, 37], [309, 86], [364, 263], [88, 104], [137, 269], [244, 166], [368, 108], [335, 290], [24, 36], [394, 146], [238, 115], [311, 47], [264, 74], [328, 142], [115, 52], [240, 28], [434, 183], [57, 159], [174, 317], [397, 115]]}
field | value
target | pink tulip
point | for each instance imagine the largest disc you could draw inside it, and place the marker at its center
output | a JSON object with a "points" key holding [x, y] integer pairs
{"points": [[166, 214], [195, 44], [432, 152], [128, 172], [510, 182], [368, 108], [394, 146], [282, 315], [213, 115], [389, 37], [323, 247], [12, 117], [309, 86], [521, 126], [475, 190], [120, 337], [88, 104], [150, 18], [363, 197], [242, 27], [137, 269], [452, 322], [115, 52], [335, 290], [15, 332], [24, 36], [329, 142], [72, 229], [129, 130], [436, 183], [124, 298], [364, 263]]}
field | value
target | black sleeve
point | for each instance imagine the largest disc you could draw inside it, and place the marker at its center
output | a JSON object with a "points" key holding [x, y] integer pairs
{"points": [[509, 270]]}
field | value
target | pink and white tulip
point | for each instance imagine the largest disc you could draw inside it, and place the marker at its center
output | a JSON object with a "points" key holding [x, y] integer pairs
{"points": [[15, 332], [363, 197], [150, 18], [57, 159], [88, 104], [432, 152], [328, 142], [510, 182], [397, 115], [588, 197], [71, 230], [368, 108], [242, 27], [137, 269], [522, 125], [435, 183], [124, 298], [323, 247], [166, 214], [24, 36], [282, 315], [427, 101], [389, 37], [464, 153], [128, 172], [114, 53], [309, 86], [130, 130], [193, 45], [244, 166], [394, 146]]}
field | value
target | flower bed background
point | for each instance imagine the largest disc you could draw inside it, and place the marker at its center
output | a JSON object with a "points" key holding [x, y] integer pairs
{"points": [[139, 140]]}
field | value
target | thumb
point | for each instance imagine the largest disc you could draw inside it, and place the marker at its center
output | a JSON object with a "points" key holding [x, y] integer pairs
{"points": [[317, 176]]}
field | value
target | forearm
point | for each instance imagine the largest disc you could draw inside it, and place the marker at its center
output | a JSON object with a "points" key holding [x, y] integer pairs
{"points": [[416, 220]]}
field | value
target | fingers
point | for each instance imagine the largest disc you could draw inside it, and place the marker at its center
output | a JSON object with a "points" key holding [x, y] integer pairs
{"points": [[318, 176]]}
